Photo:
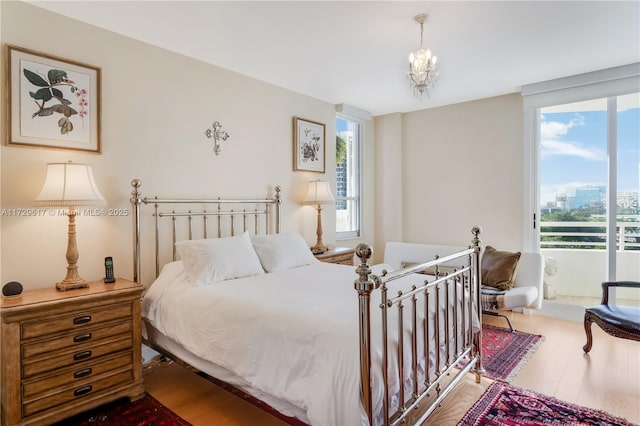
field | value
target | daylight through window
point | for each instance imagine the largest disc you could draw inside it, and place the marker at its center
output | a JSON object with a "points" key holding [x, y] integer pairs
{"points": [[348, 141]]}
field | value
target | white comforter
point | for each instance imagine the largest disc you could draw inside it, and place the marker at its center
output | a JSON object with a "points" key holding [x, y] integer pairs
{"points": [[292, 334]]}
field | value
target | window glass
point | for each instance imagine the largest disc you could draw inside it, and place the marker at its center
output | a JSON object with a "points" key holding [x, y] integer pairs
{"points": [[347, 178]]}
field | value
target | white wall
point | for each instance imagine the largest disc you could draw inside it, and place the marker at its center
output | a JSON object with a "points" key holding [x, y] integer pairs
{"points": [[462, 166], [581, 272], [156, 106], [388, 181]]}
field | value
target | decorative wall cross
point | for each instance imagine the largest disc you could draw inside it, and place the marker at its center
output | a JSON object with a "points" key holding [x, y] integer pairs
{"points": [[217, 134]]}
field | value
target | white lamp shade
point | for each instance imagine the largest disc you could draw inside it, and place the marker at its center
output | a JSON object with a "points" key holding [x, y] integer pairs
{"points": [[69, 184], [319, 192]]}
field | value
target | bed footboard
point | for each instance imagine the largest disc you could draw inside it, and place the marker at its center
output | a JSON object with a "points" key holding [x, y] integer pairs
{"points": [[426, 338]]}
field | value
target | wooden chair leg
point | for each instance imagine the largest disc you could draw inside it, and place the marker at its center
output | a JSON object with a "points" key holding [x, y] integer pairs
{"points": [[587, 329]]}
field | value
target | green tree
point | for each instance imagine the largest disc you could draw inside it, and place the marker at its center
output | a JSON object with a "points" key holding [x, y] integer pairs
{"points": [[572, 216], [341, 149]]}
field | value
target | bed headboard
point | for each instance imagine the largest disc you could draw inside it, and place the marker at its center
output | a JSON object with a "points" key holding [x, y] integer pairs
{"points": [[192, 219]]}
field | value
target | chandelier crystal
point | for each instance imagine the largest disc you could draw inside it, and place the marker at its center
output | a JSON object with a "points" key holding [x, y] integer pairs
{"points": [[422, 72]]}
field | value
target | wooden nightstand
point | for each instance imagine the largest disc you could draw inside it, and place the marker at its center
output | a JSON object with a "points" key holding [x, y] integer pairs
{"points": [[66, 352], [341, 255]]}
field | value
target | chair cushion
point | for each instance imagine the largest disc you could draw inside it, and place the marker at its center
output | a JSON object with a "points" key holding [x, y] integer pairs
{"points": [[499, 268], [625, 317], [519, 297]]}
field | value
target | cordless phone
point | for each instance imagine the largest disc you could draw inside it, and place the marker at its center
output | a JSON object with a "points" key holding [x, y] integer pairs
{"points": [[108, 270]]}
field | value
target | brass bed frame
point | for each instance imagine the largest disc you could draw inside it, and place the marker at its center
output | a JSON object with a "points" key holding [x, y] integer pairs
{"points": [[230, 214], [466, 345], [259, 209]]}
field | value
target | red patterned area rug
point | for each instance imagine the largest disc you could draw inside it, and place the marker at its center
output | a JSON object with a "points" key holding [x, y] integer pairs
{"points": [[504, 353], [146, 411], [502, 404]]}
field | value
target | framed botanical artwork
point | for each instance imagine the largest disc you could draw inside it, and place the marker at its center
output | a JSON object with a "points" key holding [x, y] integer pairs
{"points": [[308, 145], [53, 102]]}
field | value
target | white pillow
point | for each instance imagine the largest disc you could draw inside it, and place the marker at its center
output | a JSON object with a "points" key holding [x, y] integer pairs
{"points": [[282, 251], [217, 259]]}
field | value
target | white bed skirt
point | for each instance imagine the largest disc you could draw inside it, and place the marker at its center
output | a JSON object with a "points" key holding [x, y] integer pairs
{"points": [[158, 340]]}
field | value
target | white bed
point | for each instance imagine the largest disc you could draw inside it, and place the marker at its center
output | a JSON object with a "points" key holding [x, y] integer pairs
{"points": [[290, 333]]}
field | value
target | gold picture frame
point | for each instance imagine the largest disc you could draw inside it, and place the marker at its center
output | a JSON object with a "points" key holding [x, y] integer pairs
{"points": [[309, 145], [52, 102]]}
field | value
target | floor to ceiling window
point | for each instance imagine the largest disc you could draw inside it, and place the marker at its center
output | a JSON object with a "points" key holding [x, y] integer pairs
{"points": [[589, 217], [583, 170]]}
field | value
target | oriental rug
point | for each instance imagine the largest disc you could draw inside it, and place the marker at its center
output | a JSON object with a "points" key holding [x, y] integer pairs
{"points": [[146, 411], [502, 404], [504, 352]]}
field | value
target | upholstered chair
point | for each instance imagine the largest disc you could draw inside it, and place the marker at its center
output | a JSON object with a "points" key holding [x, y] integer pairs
{"points": [[618, 321], [525, 271]]}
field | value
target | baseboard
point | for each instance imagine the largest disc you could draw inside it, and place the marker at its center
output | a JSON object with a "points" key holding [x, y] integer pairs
{"points": [[562, 311]]}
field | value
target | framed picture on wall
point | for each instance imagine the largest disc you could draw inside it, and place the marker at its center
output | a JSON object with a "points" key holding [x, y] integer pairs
{"points": [[53, 102], [308, 145]]}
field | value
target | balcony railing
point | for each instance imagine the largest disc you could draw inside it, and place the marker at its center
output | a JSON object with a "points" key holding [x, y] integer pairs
{"points": [[589, 235]]}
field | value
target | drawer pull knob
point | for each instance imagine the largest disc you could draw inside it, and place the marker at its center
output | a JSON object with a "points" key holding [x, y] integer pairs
{"points": [[82, 373], [82, 320], [83, 390], [82, 355], [82, 337]]}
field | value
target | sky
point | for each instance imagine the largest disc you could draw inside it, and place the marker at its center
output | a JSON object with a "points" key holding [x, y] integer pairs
{"points": [[341, 125], [573, 150]]}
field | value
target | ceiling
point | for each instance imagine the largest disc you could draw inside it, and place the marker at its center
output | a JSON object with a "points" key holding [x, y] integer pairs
{"points": [[356, 52]]}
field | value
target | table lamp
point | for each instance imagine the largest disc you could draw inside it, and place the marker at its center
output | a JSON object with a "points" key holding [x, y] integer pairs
{"points": [[319, 193], [70, 185]]}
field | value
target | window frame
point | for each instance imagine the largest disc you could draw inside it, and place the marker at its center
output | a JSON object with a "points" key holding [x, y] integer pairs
{"points": [[357, 199], [606, 83]]}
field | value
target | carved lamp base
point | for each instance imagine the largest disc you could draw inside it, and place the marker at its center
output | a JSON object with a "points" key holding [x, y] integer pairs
{"points": [[70, 285], [319, 248]]}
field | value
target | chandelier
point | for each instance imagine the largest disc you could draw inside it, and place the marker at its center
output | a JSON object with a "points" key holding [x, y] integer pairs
{"points": [[422, 72]]}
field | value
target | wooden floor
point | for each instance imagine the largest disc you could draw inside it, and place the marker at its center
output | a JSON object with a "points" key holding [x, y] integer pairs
{"points": [[608, 379]]}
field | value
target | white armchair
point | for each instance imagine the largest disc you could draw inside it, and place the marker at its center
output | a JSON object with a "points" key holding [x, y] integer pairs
{"points": [[528, 284], [527, 291]]}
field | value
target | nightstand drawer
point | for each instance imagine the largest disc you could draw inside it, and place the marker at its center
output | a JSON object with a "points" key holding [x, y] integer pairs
{"points": [[343, 260], [77, 320], [78, 376], [74, 394], [75, 339], [79, 357]]}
